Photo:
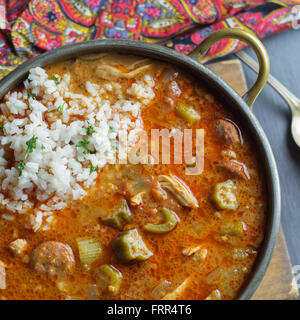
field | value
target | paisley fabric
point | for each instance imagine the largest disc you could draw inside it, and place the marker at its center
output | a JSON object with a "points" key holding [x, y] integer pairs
{"points": [[31, 27]]}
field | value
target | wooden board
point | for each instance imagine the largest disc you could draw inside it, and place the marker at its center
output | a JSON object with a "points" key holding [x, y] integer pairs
{"points": [[279, 282]]}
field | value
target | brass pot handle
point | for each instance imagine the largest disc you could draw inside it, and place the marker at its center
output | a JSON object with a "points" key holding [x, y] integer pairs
{"points": [[259, 49]]}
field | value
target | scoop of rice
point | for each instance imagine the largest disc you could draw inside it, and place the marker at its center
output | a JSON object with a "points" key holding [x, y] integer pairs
{"points": [[59, 140]]}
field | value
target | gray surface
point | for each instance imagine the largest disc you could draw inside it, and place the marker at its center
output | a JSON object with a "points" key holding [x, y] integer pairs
{"points": [[274, 116]]}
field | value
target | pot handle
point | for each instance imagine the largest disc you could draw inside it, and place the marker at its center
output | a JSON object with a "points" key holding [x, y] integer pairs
{"points": [[259, 49]]}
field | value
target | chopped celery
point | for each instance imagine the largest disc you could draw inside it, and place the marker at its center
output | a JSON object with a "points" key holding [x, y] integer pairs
{"points": [[187, 113], [235, 228], [161, 289], [170, 221], [89, 250], [177, 293], [108, 279], [215, 295]]}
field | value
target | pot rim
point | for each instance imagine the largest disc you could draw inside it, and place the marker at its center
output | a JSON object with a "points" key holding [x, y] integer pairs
{"points": [[218, 85]]}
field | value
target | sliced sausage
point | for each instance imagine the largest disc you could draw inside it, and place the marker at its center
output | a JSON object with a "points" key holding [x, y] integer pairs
{"points": [[238, 169], [227, 131], [54, 258]]}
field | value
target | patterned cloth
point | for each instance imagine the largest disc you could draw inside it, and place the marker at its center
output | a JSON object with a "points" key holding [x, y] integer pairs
{"points": [[30, 27]]}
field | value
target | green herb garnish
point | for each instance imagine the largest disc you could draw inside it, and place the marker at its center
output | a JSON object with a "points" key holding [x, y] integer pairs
{"points": [[83, 144], [2, 126], [32, 95], [111, 129], [55, 79], [90, 130], [31, 144], [61, 108], [21, 167], [92, 168]]}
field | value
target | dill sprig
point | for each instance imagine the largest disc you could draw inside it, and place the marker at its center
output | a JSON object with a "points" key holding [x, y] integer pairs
{"points": [[21, 167], [90, 130], [31, 145]]}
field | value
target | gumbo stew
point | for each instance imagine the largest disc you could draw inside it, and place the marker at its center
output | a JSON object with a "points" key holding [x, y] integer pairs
{"points": [[74, 224]]}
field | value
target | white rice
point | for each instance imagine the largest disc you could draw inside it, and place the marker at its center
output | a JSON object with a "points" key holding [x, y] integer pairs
{"points": [[57, 170]]}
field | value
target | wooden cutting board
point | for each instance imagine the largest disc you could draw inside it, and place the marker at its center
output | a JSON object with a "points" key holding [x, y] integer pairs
{"points": [[279, 282]]}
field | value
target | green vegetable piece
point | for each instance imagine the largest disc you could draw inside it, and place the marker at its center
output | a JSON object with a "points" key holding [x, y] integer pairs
{"points": [[92, 168], [89, 250], [130, 247], [235, 228], [171, 219], [224, 197], [90, 130], [31, 145], [21, 167], [187, 113], [121, 216], [108, 279], [55, 78], [83, 144], [215, 295], [61, 108]]}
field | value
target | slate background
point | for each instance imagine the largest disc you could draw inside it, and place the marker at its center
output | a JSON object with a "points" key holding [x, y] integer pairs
{"points": [[274, 116]]}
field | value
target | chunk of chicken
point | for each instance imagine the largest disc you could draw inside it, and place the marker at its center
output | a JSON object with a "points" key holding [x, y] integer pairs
{"points": [[190, 251], [108, 72], [171, 92], [18, 247], [157, 192], [227, 131], [199, 253], [54, 258], [179, 189], [137, 199]]}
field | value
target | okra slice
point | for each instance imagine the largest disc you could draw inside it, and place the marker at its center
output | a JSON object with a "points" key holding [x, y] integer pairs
{"points": [[171, 219], [130, 247], [120, 217], [187, 113], [235, 228], [224, 197], [108, 279]]}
